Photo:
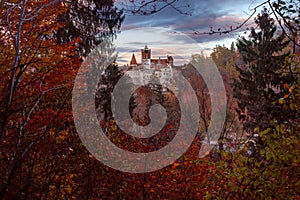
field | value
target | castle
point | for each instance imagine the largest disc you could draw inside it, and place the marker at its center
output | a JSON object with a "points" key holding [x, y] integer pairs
{"points": [[151, 70]]}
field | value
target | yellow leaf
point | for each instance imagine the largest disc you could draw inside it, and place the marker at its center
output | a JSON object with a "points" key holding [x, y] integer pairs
{"points": [[291, 89], [176, 164], [281, 100]]}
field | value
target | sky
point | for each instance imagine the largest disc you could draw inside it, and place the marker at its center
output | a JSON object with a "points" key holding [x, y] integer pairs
{"points": [[170, 33]]}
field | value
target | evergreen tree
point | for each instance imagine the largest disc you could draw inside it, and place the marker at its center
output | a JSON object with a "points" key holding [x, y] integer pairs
{"points": [[225, 59], [105, 88], [262, 74], [90, 21]]}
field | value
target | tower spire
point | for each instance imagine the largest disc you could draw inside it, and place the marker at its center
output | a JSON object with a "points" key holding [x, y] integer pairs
{"points": [[133, 60]]}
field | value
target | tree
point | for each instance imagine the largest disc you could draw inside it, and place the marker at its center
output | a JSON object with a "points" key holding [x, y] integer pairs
{"points": [[264, 168], [36, 75], [90, 21], [225, 59], [108, 80], [263, 74], [272, 172], [33, 70], [287, 15]]}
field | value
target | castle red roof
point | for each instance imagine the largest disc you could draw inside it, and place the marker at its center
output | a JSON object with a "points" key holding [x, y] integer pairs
{"points": [[133, 60], [156, 63]]}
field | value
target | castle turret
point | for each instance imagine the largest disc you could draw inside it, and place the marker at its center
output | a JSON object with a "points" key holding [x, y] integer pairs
{"points": [[133, 60], [146, 57], [170, 60]]}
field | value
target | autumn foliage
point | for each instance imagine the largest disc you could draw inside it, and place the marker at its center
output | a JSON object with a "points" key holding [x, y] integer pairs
{"points": [[42, 157]]}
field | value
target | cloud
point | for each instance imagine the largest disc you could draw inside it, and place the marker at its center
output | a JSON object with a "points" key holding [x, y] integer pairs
{"points": [[204, 14], [136, 31]]}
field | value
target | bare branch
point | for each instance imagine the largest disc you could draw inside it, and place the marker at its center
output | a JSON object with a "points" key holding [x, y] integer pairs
{"points": [[276, 12], [34, 13], [141, 7], [232, 29]]}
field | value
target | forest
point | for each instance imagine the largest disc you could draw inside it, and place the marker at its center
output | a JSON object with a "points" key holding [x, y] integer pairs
{"points": [[43, 45]]}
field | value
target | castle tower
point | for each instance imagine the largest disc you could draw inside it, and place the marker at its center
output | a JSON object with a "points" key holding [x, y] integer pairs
{"points": [[170, 60], [146, 57]]}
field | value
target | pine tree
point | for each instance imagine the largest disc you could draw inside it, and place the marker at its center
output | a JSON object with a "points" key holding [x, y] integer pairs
{"points": [[105, 89], [262, 74], [90, 21]]}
